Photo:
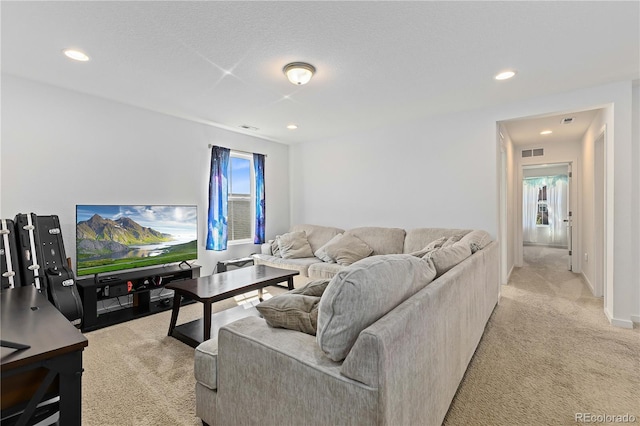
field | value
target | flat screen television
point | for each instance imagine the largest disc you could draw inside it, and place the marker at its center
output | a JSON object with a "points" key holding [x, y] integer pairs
{"points": [[113, 238]]}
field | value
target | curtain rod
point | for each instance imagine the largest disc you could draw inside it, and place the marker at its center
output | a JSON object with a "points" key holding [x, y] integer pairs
{"points": [[237, 150]]}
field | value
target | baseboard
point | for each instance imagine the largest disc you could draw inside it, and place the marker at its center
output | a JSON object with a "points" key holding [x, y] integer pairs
{"points": [[616, 322], [635, 318], [593, 290]]}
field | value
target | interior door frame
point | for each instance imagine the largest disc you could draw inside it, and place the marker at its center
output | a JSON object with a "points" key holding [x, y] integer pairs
{"points": [[573, 208], [570, 203]]}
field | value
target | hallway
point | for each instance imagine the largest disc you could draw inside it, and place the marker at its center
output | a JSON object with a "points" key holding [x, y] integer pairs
{"points": [[548, 353], [545, 271]]}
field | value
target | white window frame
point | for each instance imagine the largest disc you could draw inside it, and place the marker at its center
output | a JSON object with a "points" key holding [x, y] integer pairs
{"points": [[251, 197]]}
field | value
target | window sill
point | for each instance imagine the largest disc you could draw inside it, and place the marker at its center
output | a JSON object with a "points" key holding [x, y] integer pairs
{"points": [[240, 242]]}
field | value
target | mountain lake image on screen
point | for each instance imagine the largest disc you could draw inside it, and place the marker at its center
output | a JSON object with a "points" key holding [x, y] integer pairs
{"points": [[113, 238]]}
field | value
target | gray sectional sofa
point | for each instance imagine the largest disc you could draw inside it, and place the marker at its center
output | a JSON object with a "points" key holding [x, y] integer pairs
{"points": [[381, 240], [394, 335]]}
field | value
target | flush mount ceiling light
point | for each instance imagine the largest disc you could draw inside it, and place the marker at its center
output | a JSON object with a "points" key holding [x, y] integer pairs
{"points": [[505, 75], [299, 73], [292, 127], [546, 132], [76, 55]]}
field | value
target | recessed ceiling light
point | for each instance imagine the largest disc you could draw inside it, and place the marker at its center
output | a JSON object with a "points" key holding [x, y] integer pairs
{"points": [[292, 127], [505, 75], [76, 55], [546, 132]]}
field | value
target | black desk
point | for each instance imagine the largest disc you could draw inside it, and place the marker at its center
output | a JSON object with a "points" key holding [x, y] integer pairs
{"points": [[55, 353]]}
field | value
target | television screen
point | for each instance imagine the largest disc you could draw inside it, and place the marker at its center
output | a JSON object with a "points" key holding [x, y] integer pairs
{"points": [[113, 238]]}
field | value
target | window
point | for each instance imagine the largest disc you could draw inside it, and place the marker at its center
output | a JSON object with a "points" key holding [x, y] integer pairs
{"points": [[240, 219], [542, 215]]}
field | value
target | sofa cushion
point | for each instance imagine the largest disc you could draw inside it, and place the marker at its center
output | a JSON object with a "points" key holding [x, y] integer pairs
{"points": [[347, 250], [317, 235], [294, 245], [362, 293], [418, 238], [381, 240], [445, 258], [321, 253], [295, 310], [477, 240], [206, 363], [324, 270], [300, 265]]}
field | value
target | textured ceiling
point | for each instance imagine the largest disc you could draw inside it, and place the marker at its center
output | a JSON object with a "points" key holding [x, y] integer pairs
{"points": [[378, 63]]}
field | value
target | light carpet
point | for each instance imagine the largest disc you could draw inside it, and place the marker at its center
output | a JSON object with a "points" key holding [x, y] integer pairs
{"points": [[548, 353]]}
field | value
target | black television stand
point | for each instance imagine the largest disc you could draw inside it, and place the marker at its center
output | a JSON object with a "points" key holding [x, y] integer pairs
{"points": [[138, 283]]}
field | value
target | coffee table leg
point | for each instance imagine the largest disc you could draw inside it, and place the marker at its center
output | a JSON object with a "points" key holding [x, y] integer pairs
{"points": [[174, 312], [290, 283], [260, 294], [207, 321]]}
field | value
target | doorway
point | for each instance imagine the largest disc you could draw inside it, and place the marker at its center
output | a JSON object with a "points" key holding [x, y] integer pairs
{"points": [[546, 215]]}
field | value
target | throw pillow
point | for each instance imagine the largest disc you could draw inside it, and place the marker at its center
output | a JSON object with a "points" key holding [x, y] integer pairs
{"points": [[312, 288], [362, 293], [477, 240], [275, 248], [452, 240], [292, 311], [321, 253], [445, 258], [429, 247], [348, 249], [295, 310], [294, 245]]}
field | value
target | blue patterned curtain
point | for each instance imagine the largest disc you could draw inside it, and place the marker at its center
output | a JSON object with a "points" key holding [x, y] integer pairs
{"points": [[258, 167], [218, 199]]}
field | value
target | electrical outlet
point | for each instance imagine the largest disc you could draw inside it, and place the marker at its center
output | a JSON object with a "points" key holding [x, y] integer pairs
{"points": [[586, 257]]}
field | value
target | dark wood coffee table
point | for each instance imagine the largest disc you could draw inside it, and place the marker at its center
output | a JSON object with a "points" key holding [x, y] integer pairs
{"points": [[215, 288]]}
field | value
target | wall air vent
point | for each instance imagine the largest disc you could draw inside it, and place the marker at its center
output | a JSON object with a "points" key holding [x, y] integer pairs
{"points": [[567, 120], [532, 152]]}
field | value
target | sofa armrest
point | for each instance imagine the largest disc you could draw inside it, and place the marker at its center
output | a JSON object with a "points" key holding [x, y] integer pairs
{"points": [[284, 378]]}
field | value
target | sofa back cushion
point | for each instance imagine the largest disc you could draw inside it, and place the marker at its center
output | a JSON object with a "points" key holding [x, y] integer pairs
{"points": [[317, 235], [417, 239], [381, 240], [362, 293]]}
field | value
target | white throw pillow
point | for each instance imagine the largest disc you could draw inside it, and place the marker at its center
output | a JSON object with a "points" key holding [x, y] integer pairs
{"points": [[294, 245], [362, 293], [321, 253]]}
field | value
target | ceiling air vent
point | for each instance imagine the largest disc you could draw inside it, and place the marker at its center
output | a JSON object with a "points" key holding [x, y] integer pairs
{"points": [[567, 120], [247, 127]]}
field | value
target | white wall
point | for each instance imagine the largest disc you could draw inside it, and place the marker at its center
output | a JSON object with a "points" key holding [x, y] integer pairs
{"points": [[588, 201], [428, 173], [635, 210], [61, 148], [441, 171]]}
